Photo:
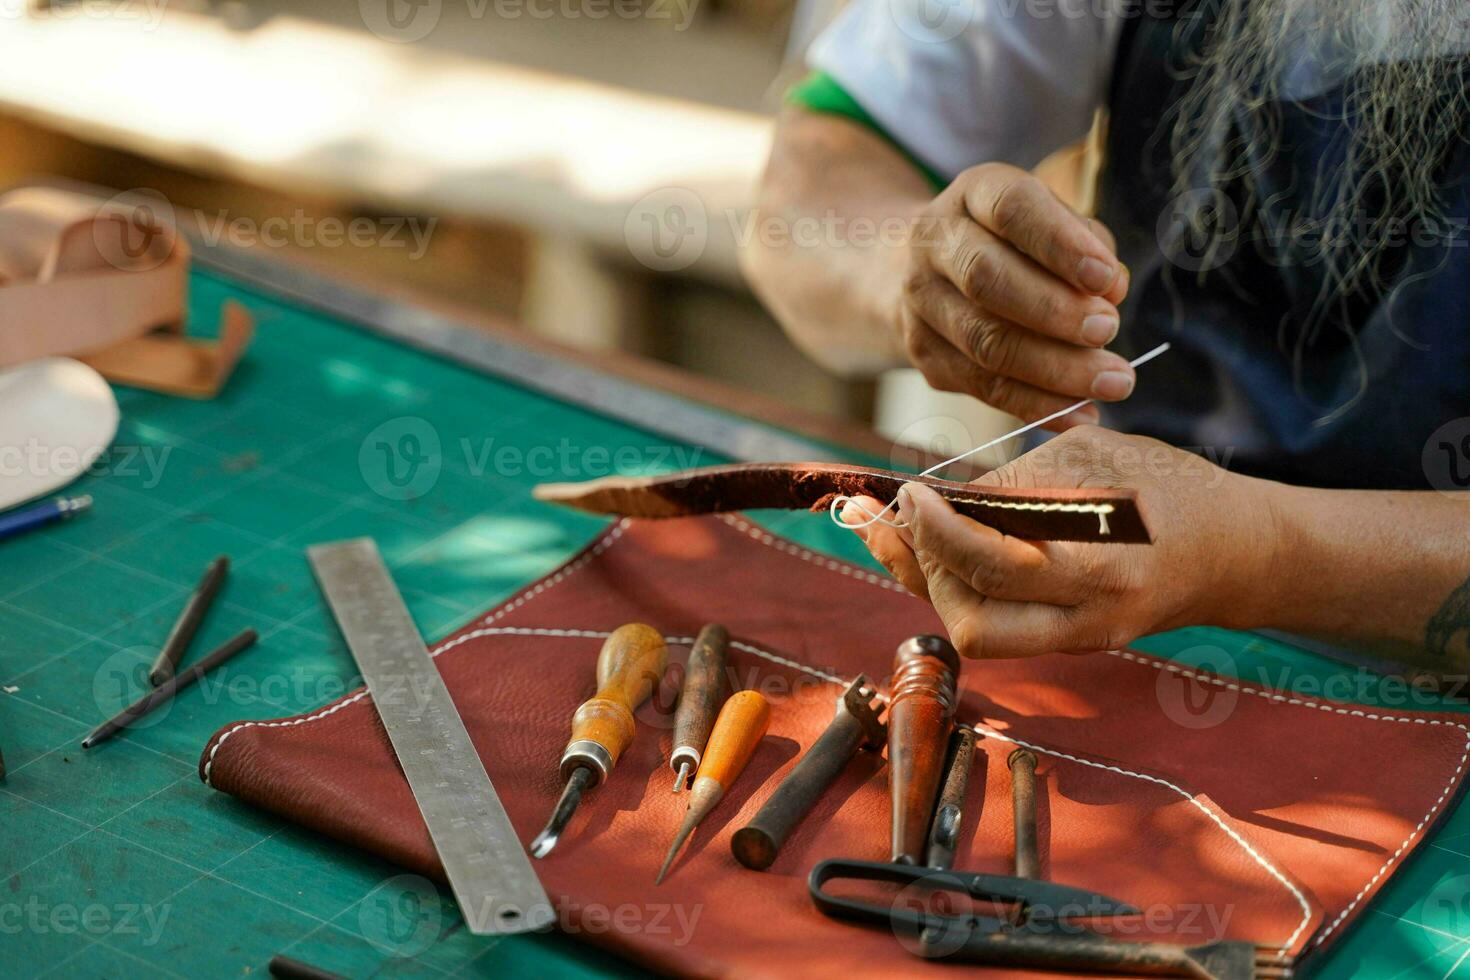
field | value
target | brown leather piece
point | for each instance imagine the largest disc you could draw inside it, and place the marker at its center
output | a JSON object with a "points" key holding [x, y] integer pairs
{"points": [[1037, 515], [106, 282], [1214, 806]]}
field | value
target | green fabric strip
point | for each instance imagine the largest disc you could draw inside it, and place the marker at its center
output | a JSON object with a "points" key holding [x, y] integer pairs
{"points": [[820, 92]]}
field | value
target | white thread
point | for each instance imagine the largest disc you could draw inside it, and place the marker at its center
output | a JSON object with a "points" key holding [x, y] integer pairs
{"points": [[1101, 510], [878, 518]]}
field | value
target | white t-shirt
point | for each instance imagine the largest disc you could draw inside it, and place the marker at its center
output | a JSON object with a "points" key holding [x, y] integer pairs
{"points": [[961, 82]]}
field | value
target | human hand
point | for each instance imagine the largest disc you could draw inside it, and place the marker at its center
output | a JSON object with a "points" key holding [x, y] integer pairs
{"points": [[1214, 547], [1009, 296]]}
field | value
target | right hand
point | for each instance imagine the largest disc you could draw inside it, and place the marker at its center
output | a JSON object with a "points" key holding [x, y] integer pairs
{"points": [[1010, 296]]}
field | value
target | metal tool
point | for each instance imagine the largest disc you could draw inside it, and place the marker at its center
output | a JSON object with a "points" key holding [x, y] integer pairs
{"points": [[738, 730], [1050, 905], [488, 872], [855, 725], [630, 664], [699, 701], [920, 718], [944, 836], [189, 621], [165, 691], [1022, 764]]}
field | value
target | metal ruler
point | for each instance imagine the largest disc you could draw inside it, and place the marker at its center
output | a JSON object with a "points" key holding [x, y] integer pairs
{"points": [[487, 867]]}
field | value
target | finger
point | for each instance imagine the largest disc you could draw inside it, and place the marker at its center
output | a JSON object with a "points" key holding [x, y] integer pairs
{"points": [[993, 629], [887, 544], [1004, 281], [992, 564], [1020, 208], [1012, 351], [1119, 292], [946, 369]]}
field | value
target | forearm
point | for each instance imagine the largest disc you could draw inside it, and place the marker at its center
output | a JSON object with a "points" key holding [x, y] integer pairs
{"points": [[825, 251], [1383, 571]]}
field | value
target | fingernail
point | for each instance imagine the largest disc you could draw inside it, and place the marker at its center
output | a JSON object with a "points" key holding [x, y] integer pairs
{"points": [[1113, 385], [1095, 274], [853, 514], [1084, 416], [904, 504], [1099, 329]]}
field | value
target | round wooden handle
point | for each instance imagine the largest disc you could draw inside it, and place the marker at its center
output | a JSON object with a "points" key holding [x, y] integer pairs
{"points": [[738, 730], [632, 661]]}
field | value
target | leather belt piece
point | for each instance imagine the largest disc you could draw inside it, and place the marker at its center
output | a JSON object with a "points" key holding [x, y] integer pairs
{"points": [[106, 282], [1110, 516]]}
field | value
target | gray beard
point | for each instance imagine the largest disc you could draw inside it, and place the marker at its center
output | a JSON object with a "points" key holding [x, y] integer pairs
{"points": [[1399, 64]]}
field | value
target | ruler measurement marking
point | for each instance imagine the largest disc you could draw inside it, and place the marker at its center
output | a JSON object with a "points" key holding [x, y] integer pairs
{"points": [[468, 824]]}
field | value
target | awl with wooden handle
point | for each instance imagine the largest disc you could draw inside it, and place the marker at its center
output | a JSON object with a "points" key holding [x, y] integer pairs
{"points": [[632, 661], [921, 706], [699, 701], [738, 730]]}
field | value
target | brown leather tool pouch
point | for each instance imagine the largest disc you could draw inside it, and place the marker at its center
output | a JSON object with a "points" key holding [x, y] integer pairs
{"points": [[1221, 808]]}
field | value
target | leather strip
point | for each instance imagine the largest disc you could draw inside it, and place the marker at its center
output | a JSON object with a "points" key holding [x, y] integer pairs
{"points": [[1038, 515], [106, 282]]}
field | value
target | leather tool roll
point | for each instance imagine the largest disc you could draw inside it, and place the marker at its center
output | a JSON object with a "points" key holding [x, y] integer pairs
{"points": [[105, 282], [1219, 808], [1038, 515]]}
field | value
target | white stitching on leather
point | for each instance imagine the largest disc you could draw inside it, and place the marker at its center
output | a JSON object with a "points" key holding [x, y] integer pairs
{"points": [[1157, 664], [1301, 899], [860, 574]]}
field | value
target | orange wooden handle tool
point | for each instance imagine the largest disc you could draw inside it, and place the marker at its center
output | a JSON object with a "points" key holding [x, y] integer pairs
{"points": [[738, 730], [632, 660]]}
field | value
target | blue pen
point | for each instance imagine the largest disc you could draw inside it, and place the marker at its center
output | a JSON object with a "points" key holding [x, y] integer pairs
{"points": [[20, 521]]}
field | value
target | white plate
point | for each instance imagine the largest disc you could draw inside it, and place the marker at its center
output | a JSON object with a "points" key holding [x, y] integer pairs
{"points": [[56, 417]]}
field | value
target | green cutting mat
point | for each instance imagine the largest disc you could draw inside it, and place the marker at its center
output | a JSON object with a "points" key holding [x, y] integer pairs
{"points": [[118, 862]]}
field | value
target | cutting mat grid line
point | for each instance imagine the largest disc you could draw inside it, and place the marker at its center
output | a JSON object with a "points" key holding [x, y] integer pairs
{"points": [[275, 464]]}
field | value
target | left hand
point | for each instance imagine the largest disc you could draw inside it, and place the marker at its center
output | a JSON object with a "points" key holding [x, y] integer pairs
{"points": [[1214, 545]]}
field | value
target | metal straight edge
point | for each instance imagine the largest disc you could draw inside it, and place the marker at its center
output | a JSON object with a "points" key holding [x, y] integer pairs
{"points": [[488, 870], [628, 401]]}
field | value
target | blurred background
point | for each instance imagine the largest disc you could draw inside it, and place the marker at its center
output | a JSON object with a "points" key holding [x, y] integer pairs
{"points": [[512, 156]]}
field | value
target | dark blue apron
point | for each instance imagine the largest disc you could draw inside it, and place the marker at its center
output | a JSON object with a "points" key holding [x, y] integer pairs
{"points": [[1351, 402]]}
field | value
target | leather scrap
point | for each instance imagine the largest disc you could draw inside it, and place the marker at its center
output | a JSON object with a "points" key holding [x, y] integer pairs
{"points": [[106, 282], [1219, 807], [1037, 515]]}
